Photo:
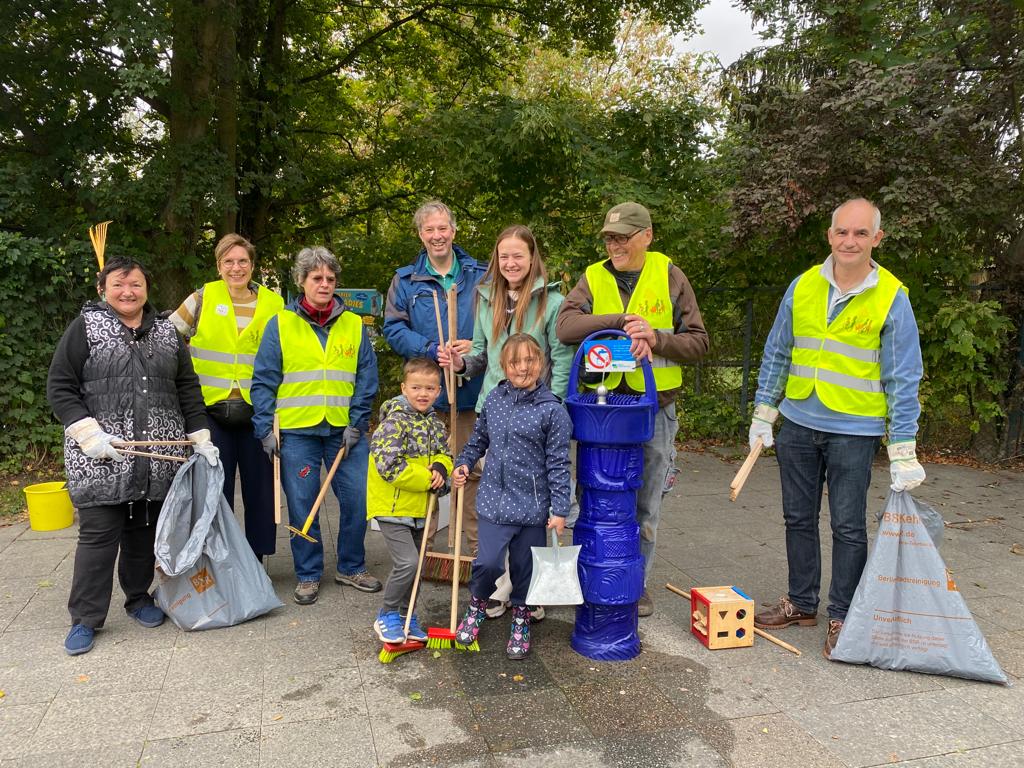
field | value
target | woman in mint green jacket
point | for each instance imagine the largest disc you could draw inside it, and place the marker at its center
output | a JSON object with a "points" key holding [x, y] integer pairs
{"points": [[514, 297]]}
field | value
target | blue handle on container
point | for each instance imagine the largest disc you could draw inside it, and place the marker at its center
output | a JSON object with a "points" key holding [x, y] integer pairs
{"points": [[650, 391]]}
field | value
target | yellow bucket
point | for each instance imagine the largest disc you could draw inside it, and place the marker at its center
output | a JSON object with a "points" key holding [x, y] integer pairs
{"points": [[49, 506]]}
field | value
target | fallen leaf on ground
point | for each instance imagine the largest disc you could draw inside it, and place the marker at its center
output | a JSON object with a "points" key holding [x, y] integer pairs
{"points": [[1016, 549], [277, 717], [518, 678], [82, 679], [45, 583], [416, 696], [437, 654]]}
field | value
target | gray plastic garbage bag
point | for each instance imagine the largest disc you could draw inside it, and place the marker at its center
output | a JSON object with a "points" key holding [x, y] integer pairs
{"points": [[907, 612], [555, 579], [208, 575]]}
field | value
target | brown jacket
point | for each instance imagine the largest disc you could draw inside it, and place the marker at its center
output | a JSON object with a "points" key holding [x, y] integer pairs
{"points": [[688, 343]]}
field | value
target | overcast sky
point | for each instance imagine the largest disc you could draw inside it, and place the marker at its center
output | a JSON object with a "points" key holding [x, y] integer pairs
{"points": [[727, 32]]}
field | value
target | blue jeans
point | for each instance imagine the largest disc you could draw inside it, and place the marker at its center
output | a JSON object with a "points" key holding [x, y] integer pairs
{"points": [[301, 459], [659, 454], [807, 460]]}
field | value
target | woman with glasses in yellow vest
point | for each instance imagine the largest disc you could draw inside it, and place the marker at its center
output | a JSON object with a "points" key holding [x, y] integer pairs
{"points": [[317, 369], [223, 322]]}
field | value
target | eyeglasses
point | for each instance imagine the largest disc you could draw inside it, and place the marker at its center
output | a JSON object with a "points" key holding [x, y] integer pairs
{"points": [[231, 263], [619, 239]]}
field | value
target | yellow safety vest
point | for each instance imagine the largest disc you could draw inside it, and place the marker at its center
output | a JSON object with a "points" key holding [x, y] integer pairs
{"points": [[652, 302], [318, 382], [840, 361], [223, 357]]}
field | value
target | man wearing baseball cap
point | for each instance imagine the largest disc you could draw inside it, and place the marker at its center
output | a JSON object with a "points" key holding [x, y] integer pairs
{"points": [[643, 293]]}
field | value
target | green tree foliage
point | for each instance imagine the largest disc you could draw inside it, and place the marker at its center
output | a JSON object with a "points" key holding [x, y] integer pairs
{"points": [[917, 106]]}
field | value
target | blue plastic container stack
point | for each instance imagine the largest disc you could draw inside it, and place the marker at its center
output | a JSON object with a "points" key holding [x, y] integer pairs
{"points": [[609, 472]]}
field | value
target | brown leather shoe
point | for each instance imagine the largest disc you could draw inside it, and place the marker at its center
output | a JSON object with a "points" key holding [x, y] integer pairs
{"points": [[783, 614], [831, 637]]}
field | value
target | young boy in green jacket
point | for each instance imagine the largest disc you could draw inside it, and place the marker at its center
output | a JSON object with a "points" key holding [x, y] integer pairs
{"points": [[408, 459]]}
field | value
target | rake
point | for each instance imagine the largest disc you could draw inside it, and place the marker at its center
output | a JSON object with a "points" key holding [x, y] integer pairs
{"points": [[304, 533]]}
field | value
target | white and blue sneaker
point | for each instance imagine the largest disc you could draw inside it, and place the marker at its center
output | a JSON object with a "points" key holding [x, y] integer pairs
{"points": [[389, 627], [416, 632]]}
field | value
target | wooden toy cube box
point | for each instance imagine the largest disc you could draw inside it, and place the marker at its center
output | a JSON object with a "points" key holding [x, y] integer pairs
{"points": [[722, 617]]}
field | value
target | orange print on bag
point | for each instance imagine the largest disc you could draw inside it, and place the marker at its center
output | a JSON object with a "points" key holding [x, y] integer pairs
{"points": [[202, 580]]}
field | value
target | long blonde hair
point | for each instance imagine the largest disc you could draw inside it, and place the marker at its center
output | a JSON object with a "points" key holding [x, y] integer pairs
{"points": [[500, 286]]}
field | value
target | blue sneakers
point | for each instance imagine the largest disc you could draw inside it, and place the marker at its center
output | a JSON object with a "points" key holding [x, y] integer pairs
{"points": [[416, 632], [148, 616], [389, 627], [79, 640]]}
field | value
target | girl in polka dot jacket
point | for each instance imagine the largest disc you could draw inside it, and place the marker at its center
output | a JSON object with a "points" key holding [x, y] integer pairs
{"points": [[524, 431]]}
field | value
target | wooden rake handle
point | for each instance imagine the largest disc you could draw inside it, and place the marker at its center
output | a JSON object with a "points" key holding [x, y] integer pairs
{"points": [[744, 472], [758, 632], [323, 490]]}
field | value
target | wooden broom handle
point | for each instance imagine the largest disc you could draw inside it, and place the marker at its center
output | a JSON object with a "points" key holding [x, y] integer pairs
{"points": [[431, 503], [457, 563]]}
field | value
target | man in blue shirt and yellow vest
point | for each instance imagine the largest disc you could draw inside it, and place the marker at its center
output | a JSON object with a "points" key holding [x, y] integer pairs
{"points": [[644, 294], [842, 357], [317, 369]]}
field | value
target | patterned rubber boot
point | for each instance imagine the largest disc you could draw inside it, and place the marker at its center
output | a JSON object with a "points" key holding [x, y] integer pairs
{"points": [[469, 627], [519, 640]]}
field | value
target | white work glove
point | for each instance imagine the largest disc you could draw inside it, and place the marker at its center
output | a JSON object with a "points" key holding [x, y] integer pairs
{"points": [[203, 445], [904, 468], [94, 442], [761, 425]]}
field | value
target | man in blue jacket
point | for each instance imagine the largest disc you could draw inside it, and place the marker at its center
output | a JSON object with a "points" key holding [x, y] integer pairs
{"points": [[842, 359], [410, 325]]}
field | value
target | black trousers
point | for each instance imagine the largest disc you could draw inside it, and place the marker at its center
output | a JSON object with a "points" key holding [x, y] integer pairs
{"points": [[240, 449], [102, 533]]}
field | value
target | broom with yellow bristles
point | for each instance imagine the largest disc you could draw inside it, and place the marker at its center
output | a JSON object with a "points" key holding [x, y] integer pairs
{"points": [[98, 236]]}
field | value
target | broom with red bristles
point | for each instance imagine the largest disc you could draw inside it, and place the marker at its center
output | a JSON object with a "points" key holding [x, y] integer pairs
{"points": [[439, 637]]}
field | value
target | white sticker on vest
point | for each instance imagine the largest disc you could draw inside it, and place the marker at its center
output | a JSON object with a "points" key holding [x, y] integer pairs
{"points": [[222, 310]]}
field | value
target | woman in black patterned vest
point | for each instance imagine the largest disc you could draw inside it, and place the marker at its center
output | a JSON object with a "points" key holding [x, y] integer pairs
{"points": [[121, 373]]}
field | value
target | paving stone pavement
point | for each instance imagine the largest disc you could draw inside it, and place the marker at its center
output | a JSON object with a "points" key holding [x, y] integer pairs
{"points": [[303, 686]]}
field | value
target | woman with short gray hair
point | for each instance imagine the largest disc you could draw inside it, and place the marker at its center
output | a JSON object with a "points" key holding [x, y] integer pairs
{"points": [[312, 259], [316, 369]]}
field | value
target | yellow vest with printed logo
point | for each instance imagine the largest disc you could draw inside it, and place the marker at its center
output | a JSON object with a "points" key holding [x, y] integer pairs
{"points": [[651, 301], [223, 357], [317, 382], [840, 361]]}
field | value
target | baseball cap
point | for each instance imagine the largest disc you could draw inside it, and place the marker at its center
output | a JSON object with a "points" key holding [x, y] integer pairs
{"points": [[626, 218]]}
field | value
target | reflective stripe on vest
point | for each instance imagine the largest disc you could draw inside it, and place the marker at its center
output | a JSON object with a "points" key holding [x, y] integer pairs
{"points": [[317, 383], [223, 358], [650, 300], [840, 361]]}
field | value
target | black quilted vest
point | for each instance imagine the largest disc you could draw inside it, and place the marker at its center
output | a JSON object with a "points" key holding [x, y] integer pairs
{"points": [[129, 387]]}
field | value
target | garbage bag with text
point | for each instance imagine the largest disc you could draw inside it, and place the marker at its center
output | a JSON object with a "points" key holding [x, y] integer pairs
{"points": [[907, 612], [207, 574]]}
